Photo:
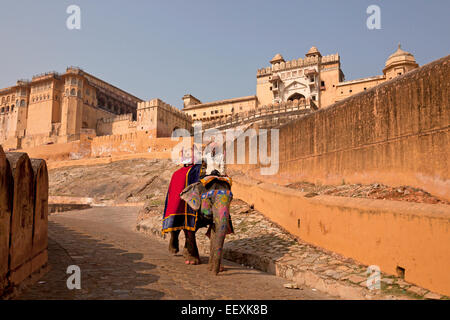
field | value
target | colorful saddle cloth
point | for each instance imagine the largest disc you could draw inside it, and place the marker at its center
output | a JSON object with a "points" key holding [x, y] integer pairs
{"points": [[177, 214], [207, 179]]}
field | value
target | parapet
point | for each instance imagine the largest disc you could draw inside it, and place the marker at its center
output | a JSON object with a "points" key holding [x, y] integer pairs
{"points": [[158, 103], [121, 117], [295, 63]]}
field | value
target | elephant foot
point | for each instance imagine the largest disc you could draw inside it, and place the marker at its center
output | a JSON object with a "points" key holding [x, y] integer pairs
{"points": [[221, 268], [173, 250], [190, 259]]}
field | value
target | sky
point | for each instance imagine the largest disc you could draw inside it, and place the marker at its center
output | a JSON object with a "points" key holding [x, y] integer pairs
{"points": [[210, 49]]}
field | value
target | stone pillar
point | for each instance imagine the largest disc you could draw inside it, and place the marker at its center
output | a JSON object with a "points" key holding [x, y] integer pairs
{"points": [[22, 216], [40, 226], [6, 196]]}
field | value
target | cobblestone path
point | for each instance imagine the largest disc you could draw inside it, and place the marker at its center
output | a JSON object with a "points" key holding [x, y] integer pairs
{"points": [[119, 263]]}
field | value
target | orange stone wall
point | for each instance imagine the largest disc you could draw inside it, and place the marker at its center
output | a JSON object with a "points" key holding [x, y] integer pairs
{"points": [[389, 234]]}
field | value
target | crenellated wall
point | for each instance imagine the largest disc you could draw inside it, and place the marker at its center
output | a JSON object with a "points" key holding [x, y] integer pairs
{"points": [[297, 63]]}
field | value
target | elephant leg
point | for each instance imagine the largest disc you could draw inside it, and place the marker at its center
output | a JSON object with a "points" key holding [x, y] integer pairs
{"points": [[217, 248], [173, 243], [190, 248]]}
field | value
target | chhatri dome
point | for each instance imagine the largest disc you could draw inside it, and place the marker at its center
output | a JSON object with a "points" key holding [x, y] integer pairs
{"points": [[313, 52], [400, 59], [277, 58]]}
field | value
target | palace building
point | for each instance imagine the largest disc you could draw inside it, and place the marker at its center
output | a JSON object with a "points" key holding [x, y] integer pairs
{"points": [[314, 79], [58, 108]]}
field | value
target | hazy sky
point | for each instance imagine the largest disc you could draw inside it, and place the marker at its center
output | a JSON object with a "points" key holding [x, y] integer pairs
{"points": [[210, 49]]}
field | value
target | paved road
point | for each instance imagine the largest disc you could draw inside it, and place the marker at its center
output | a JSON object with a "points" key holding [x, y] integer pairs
{"points": [[119, 263]]}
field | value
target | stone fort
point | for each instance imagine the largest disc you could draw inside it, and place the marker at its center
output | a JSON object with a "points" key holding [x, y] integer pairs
{"points": [[59, 108]]}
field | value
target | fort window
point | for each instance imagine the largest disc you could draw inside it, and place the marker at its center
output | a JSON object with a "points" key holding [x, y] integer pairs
{"points": [[7, 108], [72, 92], [350, 90], [3, 109], [12, 108], [313, 98], [296, 96], [22, 103], [204, 113], [79, 93], [322, 83]]}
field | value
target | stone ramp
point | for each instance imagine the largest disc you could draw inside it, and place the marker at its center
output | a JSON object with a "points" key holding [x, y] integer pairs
{"points": [[258, 243]]}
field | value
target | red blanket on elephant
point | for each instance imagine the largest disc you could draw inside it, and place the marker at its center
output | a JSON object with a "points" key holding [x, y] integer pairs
{"points": [[177, 214]]}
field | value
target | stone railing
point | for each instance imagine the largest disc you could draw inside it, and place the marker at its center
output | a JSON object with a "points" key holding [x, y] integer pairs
{"points": [[23, 219], [271, 114]]}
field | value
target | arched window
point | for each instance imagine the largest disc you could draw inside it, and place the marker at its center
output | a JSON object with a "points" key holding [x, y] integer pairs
{"points": [[3, 109], [22, 103], [7, 108], [72, 92], [12, 108], [79, 94], [296, 96]]}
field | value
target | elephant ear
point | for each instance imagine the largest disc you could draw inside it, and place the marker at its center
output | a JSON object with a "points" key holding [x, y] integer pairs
{"points": [[192, 194]]}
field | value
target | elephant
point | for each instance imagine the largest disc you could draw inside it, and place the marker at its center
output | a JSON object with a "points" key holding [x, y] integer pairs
{"points": [[211, 198]]}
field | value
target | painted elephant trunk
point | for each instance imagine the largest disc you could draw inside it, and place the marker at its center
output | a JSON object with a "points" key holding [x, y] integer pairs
{"points": [[219, 230]]}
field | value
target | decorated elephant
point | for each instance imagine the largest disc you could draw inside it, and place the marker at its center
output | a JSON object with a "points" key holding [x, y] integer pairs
{"points": [[210, 199]]}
